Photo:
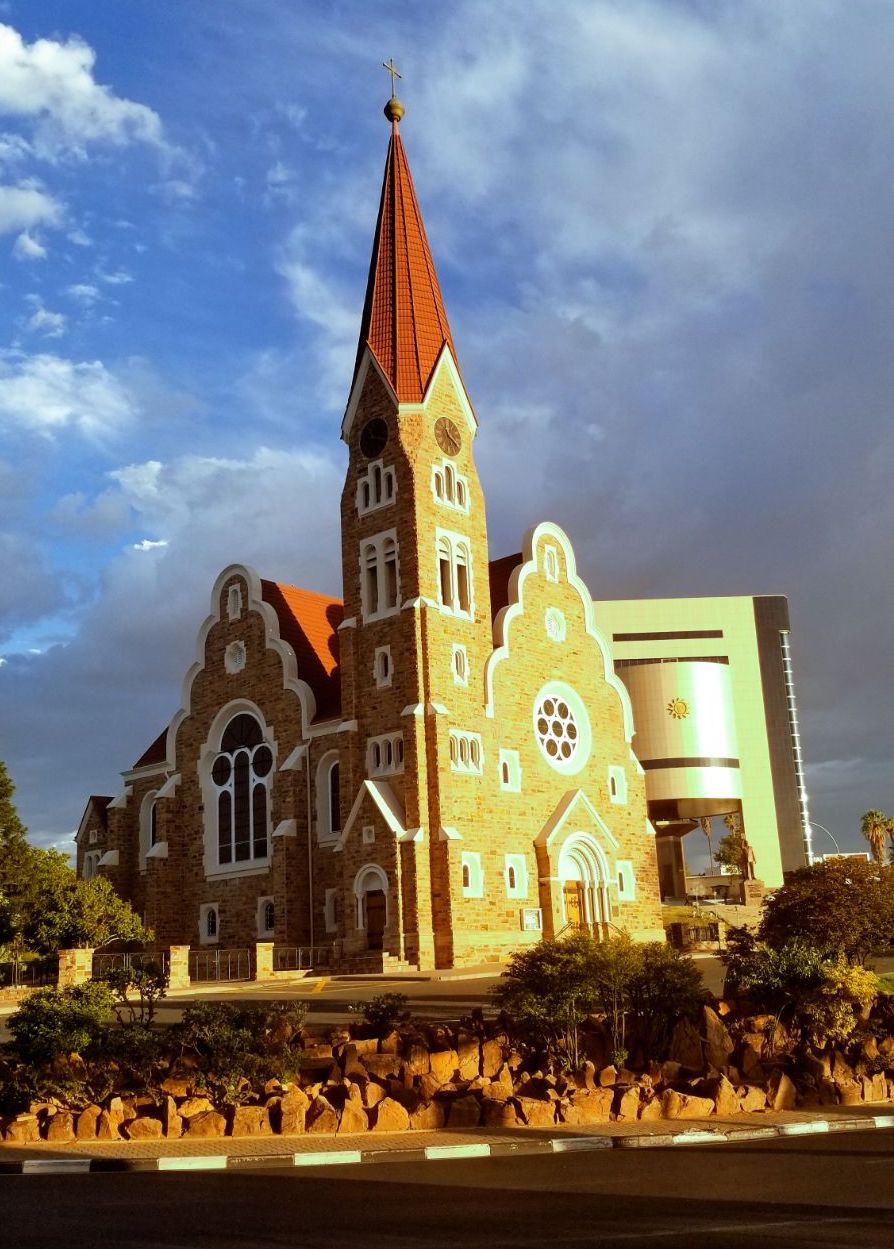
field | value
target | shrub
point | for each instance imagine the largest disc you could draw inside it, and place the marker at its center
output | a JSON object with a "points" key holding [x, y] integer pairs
{"points": [[53, 1023], [831, 1010], [236, 1042], [548, 990], [382, 1014], [665, 986], [150, 984], [771, 977]]}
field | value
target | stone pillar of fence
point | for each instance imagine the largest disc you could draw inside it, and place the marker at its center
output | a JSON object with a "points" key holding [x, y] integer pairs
{"points": [[263, 960], [75, 967], [178, 967]]}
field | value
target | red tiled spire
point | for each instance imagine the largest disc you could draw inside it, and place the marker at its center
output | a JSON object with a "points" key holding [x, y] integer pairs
{"points": [[404, 321]]}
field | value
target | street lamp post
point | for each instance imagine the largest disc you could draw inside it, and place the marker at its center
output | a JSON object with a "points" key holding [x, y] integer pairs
{"points": [[814, 824]]}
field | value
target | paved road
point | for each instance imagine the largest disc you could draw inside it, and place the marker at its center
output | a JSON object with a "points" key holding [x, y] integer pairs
{"points": [[814, 1193]]}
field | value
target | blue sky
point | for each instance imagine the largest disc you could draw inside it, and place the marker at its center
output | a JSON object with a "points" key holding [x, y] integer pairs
{"points": [[663, 234]]}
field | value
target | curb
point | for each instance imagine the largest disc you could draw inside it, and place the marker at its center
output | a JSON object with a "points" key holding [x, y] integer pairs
{"points": [[445, 1153]]}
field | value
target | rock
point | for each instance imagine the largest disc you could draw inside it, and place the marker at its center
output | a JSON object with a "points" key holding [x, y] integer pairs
{"points": [[819, 1066], [879, 1089], [491, 1058], [176, 1086], [869, 1048], [107, 1127], [608, 1076], [651, 1109], [206, 1123], [353, 1119], [428, 1117], [60, 1129], [85, 1128], [417, 1059], [250, 1121], [118, 1112], [291, 1112], [669, 1072], [726, 1099], [500, 1114], [828, 1094], [850, 1092], [585, 1076], [465, 1112], [686, 1046], [171, 1121], [322, 1117], [592, 1105], [382, 1066], [194, 1106], [365, 1045], [444, 1064], [143, 1128], [391, 1044], [537, 1113], [781, 1093], [752, 1098], [750, 1059], [468, 1054], [390, 1116], [23, 1130], [676, 1105], [719, 1044], [372, 1093], [841, 1068], [627, 1103]]}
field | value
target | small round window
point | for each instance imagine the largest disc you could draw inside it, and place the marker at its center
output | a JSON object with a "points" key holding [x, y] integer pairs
{"points": [[562, 728]]}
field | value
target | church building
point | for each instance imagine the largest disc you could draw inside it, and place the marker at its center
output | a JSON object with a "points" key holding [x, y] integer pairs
{"points": [[430, 772]]}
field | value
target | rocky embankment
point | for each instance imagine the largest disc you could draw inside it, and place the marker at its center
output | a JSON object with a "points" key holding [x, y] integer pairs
{"points": [[429, 1078]]}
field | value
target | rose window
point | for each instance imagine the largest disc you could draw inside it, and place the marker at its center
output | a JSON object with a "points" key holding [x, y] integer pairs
{"points": [[557, 729]]}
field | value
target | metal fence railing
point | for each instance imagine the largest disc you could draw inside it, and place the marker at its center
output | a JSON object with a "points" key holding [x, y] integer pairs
{"points": [[220, 965], [301, 957], [32, 973], [149, 960]]}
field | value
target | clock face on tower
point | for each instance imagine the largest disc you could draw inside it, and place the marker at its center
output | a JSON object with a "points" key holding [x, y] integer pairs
{"points": [[448, 436], [373, 437]]}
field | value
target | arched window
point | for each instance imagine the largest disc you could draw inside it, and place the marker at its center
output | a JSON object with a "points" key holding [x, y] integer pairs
{"points": [[269, 916], [505, 773], [211, 922], [389, 554], [454, 573], [241, 776], [153, 825], [334, 800], [370, 580], [511, 876], [467, 876]]}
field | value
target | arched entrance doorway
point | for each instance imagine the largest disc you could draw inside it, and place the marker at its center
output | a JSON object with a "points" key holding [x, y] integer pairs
{"points": [[582, 875], [371, 893]]}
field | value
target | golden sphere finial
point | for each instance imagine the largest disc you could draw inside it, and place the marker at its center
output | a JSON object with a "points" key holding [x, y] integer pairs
{"points": [[394, 110]]}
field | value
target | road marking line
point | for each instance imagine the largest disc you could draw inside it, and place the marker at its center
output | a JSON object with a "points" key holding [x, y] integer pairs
{"points": [[51, 1166], [697, 1137], [202, 1162], [327, 1158], [320, 985], [883, 1121], [457, 1151]]}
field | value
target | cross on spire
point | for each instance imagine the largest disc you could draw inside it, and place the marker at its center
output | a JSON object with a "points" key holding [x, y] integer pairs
{"points": [[392, 70]]}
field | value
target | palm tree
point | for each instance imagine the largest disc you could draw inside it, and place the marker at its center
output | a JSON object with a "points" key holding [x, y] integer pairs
{"points": [[877, 827], [705, 822]]}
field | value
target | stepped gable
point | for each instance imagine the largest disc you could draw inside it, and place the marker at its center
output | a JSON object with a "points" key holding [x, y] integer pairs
{"points": [[309, 623]]}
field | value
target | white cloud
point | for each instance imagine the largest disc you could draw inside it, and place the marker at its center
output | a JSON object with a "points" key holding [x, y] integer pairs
{"points": [[24, 206], [49, 324], [119, 278], [149, 544], [27, 247], [51, 83], [46, 394], [83, 292]]}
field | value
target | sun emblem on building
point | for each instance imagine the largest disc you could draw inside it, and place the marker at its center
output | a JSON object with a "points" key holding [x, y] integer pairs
{"points": [[678, 708]]}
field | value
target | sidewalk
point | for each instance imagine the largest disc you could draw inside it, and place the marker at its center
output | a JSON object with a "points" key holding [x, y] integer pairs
{"points": [[369, 1147]]}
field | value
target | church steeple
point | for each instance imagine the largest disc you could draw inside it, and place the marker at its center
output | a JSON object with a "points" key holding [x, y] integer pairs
{"points": [[404, 320]]}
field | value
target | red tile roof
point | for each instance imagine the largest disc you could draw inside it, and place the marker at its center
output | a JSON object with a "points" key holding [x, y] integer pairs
{"points": [[500, 573], [156, 753], [309, 623], [404, 321]]}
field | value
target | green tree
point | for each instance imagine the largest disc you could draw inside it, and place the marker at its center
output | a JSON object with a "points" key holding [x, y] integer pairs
{"points": [[730, 850], [61, 912], [877, 827], [13, 853], [843, 906]]}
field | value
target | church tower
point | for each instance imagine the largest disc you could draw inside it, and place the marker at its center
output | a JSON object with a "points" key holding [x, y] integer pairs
{"points": [[417, 628]]}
